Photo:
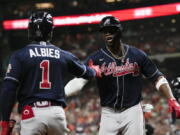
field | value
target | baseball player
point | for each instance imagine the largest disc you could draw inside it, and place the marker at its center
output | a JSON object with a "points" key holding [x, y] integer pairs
{"points": [[120, 87], [38, 70]]}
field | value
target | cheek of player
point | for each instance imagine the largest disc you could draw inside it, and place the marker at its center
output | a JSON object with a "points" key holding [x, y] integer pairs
{"points": [[109, 38]]}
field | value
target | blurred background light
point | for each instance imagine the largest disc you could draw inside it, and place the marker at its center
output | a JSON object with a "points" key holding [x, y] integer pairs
{"points": [[44, 5]]}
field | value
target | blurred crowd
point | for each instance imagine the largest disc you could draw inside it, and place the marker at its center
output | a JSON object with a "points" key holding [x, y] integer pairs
{"points": [[83, 44]]}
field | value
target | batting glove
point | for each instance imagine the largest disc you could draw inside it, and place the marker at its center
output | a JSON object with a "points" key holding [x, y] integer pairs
{"points": [[174, 106], [95, 67], [7, 127]]}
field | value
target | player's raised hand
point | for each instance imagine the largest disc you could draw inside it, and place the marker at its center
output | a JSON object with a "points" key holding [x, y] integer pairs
{"points": [[174, 106], [95, 67]]}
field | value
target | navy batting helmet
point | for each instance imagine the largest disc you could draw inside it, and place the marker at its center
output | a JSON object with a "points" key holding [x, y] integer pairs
{"points": [[40, 26], [110, 22]]}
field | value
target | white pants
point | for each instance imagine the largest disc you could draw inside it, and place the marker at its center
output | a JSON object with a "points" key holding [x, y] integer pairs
{"points": [[46, 121], [128, 122]]}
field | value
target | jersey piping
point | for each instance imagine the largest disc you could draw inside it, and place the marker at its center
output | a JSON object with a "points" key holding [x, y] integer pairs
{"points": [[12, 78], [153, 74], [84, 70]]}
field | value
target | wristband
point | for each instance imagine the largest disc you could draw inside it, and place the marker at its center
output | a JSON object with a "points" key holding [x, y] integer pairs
{"points": [[160, 82]]}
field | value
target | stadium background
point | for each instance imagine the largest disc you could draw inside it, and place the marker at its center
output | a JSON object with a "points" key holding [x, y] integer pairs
{"points": [[158, 36]]}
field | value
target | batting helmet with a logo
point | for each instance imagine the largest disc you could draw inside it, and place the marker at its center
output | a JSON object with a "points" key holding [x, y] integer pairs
{"points": [[110, 21], [40, 26]]}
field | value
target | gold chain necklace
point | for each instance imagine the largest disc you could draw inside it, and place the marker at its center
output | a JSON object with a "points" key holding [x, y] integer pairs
{"points": [[116, 56]]}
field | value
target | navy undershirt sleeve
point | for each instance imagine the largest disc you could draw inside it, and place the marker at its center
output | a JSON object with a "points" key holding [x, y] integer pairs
{"points": [[7, 98]]}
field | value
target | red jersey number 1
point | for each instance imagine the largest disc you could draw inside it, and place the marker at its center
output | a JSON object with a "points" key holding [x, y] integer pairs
{"points": [[45, 83]]}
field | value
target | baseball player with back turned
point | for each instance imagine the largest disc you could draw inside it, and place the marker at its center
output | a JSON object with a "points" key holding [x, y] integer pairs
{"points": [[120, 87], [39, 70]]}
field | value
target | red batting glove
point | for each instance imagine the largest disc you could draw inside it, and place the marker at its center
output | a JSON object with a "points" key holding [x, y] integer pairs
{"points": [[174, 105], [95, 67], [5, 128]]}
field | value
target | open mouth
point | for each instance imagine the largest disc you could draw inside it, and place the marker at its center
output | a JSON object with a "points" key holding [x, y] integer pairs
{"points": [[109, 38]]}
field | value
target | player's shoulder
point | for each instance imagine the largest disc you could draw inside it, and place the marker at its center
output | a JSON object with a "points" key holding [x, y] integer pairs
{"points": [[96, 54], [135, 50], [23, 51], [19, 52], [66, 54], [49, 45]]}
